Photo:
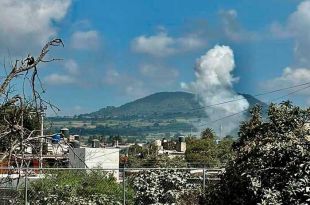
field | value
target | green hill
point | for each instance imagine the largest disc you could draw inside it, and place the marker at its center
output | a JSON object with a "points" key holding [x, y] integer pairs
{"points": [[159, 106], [159, 114]]}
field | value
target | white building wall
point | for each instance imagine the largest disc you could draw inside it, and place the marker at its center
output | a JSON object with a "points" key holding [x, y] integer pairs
{"points": [[105, 158]]}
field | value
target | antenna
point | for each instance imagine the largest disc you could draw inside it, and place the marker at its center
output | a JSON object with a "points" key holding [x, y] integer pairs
{"points": [[221, 128]]}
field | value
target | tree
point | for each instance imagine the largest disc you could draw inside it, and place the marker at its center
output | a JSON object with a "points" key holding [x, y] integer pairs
{"points": [[208, 133], [137, 150], [17, 130], [272, 162], [8, 114], [224, 149], [201, 152], [148, 157], [206, 152]]}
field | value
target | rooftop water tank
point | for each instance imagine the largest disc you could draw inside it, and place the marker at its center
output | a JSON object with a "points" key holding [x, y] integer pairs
{"points": [[95, 143], [65, 132], [77, 137], [181, 139], [56, 138]]}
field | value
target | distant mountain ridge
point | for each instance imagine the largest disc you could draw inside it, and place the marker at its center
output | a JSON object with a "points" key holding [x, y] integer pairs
{"points": [[160, 105]]}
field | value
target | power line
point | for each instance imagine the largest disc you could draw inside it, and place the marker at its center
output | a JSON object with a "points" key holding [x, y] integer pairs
{"points": [[95, 157], [237, 113], [256, 95], [290, 93]]}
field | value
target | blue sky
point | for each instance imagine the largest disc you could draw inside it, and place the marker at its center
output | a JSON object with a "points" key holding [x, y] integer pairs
{"points": [[116, 51]]}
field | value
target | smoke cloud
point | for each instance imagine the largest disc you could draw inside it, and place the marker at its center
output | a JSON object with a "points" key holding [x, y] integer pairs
{"points": [[214, 84]]}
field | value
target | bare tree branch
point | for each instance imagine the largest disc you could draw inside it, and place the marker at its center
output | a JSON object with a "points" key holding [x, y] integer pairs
{"points": [[15, 137], [25, 66]]}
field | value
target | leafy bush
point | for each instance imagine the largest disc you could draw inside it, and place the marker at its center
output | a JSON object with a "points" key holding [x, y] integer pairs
{"points": [[205, 152], [272, 163], [77, 188]]}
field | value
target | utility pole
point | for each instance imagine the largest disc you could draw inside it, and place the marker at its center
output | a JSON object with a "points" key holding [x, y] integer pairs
{"points": [[26, 183], [124, 185], [41, 142], [26, 186], [41, 137]]}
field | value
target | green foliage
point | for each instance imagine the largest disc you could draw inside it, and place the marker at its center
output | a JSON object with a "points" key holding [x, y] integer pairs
{"points": [[199, 153], [11, 114], [202, 152], [136, 150], [164, 161], [208, 133], [178, 162], [225, 151], [205, 152], [31, 120], [124, 130], [141, 157], [272, 163], [77, 187]]}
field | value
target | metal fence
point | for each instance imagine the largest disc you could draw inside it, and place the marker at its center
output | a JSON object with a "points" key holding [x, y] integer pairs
{"points": [[105, 186]]}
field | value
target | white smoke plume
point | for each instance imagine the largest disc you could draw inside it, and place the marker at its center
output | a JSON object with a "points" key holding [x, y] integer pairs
{"points": [[214, 84]]}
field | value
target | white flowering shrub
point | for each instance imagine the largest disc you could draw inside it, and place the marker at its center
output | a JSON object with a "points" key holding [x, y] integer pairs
{"points": [[160, 187], [272, 163]]}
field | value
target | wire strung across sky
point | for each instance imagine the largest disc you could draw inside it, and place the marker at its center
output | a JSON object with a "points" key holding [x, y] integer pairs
{"points": [[255, 95], [274, 99]]}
